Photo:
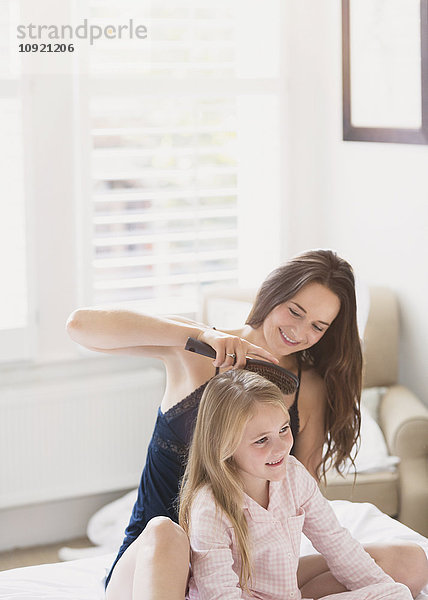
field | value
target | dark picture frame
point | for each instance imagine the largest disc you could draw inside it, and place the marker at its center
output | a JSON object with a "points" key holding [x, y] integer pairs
{"points": [[382, 134]]}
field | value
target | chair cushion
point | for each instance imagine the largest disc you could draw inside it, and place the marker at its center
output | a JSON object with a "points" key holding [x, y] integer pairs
{"points": [[380, 489]]}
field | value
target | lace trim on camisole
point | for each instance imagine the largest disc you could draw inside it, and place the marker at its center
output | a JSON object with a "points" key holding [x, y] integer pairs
{"points": [[189, 402], [178, 449]]}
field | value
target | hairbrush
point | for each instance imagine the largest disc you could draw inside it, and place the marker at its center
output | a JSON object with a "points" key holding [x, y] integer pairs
{"points": [[285, 380]]}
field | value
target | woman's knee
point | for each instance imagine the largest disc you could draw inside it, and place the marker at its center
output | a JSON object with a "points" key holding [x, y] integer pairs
{"points": [[162, 545], [405, 563], [164, 536]]}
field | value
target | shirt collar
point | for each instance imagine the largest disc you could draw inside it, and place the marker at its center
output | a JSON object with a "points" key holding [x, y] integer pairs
{"points": [[257, 512]]}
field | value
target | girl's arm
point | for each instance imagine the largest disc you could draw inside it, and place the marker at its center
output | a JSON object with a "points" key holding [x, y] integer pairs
{"points": [[346, 558], [213, 577]]}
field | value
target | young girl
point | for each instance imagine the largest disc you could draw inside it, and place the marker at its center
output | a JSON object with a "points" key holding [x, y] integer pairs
{"points": [[244, 502]]}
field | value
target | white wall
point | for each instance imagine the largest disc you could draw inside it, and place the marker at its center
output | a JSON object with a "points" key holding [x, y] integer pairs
{"points": [[73, 436], [368, 201], [50, 522]]}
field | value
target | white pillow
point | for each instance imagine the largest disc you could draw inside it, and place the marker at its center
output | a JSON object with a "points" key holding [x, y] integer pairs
{"points": [[370, 399], [106, 529], [373, 453]]}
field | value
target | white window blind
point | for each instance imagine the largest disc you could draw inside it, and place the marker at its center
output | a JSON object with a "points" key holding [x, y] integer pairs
{"points": [[14, 320], [164, 120]]}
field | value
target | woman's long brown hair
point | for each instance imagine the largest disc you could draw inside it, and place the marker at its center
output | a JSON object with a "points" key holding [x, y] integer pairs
{"points": [[337, 357]]}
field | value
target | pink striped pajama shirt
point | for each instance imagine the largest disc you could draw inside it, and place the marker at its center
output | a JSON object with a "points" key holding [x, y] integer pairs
{"points": [[295, 505]]}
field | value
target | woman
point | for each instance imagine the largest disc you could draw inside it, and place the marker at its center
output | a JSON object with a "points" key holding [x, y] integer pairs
{"points": [[304, 318]]}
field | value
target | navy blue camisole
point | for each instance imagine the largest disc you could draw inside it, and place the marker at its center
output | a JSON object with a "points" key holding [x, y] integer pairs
{"points": [[165, 464]]}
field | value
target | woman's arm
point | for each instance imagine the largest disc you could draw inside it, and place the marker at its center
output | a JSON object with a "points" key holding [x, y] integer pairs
{"points": [[123, 331], [309, 442], [110, 330]]}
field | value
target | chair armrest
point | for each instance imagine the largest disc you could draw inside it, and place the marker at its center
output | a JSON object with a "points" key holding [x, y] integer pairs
{"points": [[404, 421], [413, 494]]}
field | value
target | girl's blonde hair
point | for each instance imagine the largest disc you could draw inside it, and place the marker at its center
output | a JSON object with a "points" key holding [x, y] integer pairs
{"points": [[228, 403]]}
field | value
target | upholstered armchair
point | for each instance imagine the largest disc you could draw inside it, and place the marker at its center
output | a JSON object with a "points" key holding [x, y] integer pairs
{"points": [[403, 420]]}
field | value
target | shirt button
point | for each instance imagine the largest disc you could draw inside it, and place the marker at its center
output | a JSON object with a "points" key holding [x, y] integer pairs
{"points": [[291, 594], [289, 554]]}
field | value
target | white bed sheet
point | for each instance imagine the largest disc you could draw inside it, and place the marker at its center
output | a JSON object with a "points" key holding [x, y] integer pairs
{"points": [[74, 580], [83, 579]]}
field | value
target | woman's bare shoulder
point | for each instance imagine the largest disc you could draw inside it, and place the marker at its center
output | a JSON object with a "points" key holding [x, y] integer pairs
{"points": [[186, 372]]}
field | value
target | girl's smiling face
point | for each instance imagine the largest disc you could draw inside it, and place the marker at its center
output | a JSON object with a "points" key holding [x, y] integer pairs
{"points": [[263, 450], [301, 321]]}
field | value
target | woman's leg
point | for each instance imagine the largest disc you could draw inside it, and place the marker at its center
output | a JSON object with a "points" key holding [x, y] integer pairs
{"points": [[154, 567], [380, 591], [405, 563], [314, 578]]}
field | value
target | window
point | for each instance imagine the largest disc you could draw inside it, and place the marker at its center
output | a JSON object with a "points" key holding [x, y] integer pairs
{"points": [[167, 116], [135, 171], [14, 317], [165, 210]]}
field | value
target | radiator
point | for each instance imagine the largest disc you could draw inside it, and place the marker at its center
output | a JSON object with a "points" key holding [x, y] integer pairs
{"points": [[75, 436]]}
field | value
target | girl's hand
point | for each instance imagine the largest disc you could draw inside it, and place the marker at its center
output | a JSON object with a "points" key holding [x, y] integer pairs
{"points": [[232, 350]]}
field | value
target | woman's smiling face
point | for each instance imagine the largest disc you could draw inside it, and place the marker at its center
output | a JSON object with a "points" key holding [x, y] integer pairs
{"points": [[301, 321]]}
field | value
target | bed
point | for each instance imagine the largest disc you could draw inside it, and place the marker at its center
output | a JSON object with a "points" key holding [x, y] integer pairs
{"points": [[83, 579]]}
